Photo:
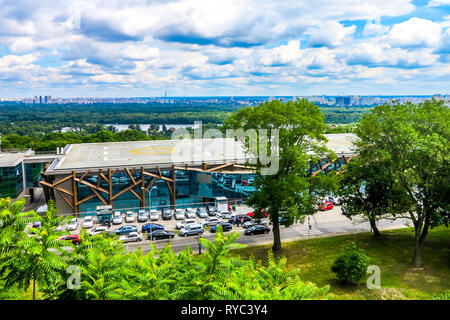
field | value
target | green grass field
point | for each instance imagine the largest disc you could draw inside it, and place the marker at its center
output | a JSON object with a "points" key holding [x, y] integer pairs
{"points": [[392, 253]]}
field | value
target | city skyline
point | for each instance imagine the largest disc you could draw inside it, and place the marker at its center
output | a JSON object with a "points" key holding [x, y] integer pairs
{"points": [[216, 48]]}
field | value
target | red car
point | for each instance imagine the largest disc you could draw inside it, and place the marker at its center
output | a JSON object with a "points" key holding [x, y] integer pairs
{"points": [[75, 238], [263, 214], [326, 206]]}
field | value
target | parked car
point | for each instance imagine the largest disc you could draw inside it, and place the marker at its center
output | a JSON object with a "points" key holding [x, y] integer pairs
{"points": [[148, 227], [73, 225], [226, 226], [88, 222], [160, 234], [192, 229], [98, 230], [201, 212], [166, 214], [211, 221], [211, 210], [179, 215], [131, 237], [117, 217], [328, 205], [251, 223], [74, 238], [142, 216], [129, 217], [225, 215], [257, 229], [185, 222], [336, 200], [245, 217], [60, 227], [154, 216], [190, 213], [124, 230]]}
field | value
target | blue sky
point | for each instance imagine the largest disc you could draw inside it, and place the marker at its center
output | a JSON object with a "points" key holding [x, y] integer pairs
{"points": [[215, 47]]}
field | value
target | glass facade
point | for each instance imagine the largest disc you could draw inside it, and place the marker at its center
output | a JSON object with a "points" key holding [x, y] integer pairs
{"points": [[193, 189], [11, 181], [33, 174]]}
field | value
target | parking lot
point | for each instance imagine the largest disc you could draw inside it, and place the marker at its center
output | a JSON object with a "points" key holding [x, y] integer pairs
{"points": [[322, 222]]}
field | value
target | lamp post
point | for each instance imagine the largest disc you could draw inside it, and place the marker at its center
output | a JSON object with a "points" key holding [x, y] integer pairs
{"points": [[150, 209]]}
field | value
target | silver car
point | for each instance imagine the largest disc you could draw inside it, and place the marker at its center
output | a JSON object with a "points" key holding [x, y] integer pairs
{"points": [[142, 216], [211, 221], [179, 215], [131, 237], [73, 225], [190, 230], [154, 216], [190, 213]]}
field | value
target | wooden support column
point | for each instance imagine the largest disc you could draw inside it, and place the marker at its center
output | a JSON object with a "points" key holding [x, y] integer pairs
{"points": [[110, 189], [76, 207], [173, 199], [143, 200]]}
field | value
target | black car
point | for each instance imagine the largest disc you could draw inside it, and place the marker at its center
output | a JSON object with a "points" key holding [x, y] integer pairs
{"points": [[226, 226], [257, 229], [166, 214], [161, 234], [245, 217]]}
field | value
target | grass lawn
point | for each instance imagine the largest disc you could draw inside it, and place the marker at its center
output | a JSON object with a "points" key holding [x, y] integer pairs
{"points": [[392, 252]]}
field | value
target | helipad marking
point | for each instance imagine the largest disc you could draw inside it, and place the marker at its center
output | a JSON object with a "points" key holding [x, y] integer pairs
{"points": [[153, 150]]}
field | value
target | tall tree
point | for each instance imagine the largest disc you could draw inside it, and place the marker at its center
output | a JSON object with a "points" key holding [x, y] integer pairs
{"points": [[368, 189], [285, 193], [412, 143]]}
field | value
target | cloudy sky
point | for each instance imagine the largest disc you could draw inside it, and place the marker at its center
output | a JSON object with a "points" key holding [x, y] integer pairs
{"points": [[217, 47]]}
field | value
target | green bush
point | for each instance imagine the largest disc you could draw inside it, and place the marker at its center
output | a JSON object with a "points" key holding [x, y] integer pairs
{"points": [[351, 265]]}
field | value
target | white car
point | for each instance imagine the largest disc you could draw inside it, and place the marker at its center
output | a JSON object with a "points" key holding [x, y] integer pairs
{"points": [[129, 217], [211, 221], [225, 215], [154, 216], [60, 227], [190, 213], [88, 222], [117, 217], [185, 222], [131, 237], [179, 215], [142, 216], [73, 225], [98, 230]]}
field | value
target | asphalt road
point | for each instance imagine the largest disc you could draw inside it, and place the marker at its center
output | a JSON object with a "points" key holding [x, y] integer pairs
{"points": [[323, 224]]}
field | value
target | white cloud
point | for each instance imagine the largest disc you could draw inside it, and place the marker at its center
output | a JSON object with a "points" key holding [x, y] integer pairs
{"points": [[330, 34], [414, 33], [438, 3], [374, 29]]}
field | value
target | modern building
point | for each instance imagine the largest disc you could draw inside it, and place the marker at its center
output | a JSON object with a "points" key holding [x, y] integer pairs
{"points": [[144, 174], [20, 173]]}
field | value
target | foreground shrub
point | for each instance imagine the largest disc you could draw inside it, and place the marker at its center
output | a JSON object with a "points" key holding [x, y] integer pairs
{"points": [[351, 265]]}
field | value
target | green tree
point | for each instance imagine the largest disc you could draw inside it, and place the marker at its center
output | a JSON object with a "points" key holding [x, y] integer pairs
{"points": [[287, 193], [369, 189], [37, 259], [412, 143]]}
